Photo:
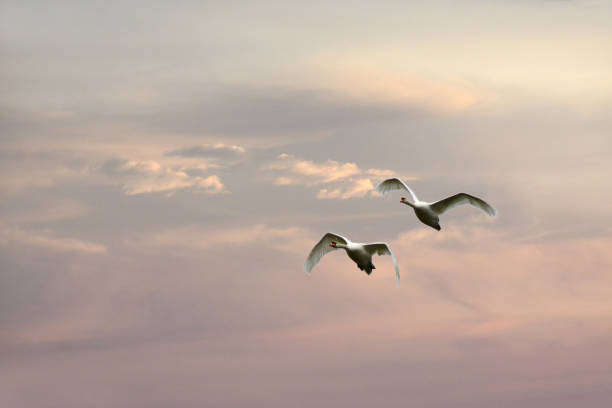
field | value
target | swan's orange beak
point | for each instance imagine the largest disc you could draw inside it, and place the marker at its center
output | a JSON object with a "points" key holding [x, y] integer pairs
{"points": [[402, 199], [333, 244]]}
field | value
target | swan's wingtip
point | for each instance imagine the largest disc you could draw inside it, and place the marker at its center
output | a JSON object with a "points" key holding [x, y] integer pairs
{"points": [[383, 190]]}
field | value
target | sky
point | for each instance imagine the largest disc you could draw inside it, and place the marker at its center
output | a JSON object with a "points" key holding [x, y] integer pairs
{"points": [[165, 168]]}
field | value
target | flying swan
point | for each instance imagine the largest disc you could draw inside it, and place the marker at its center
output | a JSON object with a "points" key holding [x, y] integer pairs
{"points": [[429, 213], [361, 254]]}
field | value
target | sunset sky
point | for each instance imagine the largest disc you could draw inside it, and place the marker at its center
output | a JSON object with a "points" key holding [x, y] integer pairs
{"points": [[165, 168]]}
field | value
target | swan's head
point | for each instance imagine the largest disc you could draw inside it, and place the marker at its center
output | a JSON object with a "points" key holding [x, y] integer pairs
{"points": [[403, 200], [333, 244]]}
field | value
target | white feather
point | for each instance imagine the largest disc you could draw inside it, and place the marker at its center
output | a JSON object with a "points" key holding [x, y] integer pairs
{"points": [[394, 184], [321, 248]]}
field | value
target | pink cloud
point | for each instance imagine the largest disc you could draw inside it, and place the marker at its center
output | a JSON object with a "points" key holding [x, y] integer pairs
{"points": [[342, 180]]}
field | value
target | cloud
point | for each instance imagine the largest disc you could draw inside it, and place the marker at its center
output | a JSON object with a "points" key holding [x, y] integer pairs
{"points": [[477, 266], [150, 176], [209, 150], [30, 168], [381, 173], [46, 240], [393, 87], [312, 173], [359, 188], [291, 238], [42, 210], [342, 180], [268, 111]]}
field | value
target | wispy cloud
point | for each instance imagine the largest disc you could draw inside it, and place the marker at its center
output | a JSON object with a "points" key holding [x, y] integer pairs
{"points": [[397, 88], [476, 266], [49, 241], [208, 150], [44, 211], [292, 238], [341, 180]]}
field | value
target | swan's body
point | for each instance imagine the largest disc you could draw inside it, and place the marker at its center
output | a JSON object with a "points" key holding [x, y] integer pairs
{"points": [[429, 213], [361, 254]]}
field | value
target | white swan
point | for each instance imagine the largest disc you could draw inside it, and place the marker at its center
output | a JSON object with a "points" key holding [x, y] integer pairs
{"points": [[360, 253], [428, 212]]}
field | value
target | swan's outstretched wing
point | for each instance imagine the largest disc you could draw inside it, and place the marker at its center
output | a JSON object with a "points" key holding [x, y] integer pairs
{"points": [[458, 199], [393, 184], [322, 248], [381, 248]]}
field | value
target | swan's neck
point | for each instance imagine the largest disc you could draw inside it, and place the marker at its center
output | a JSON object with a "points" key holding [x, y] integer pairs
{"points": [[408, 203], [343, 246]]}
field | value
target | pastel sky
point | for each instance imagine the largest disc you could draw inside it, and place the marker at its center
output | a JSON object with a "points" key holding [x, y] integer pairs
{"points": [[165, 167]]}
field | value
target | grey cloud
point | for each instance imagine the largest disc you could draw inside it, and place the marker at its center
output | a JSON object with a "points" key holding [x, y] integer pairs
{"points": [[117, 166], [218, 150], [250, 112]]}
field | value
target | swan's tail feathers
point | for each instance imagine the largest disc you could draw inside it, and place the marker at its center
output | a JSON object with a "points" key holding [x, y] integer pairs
{"points": [[369, 268]]}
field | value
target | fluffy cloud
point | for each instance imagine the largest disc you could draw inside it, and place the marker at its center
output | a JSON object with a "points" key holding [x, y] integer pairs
{"points": [[341, 180], [358, 188], [138, 171], [150, 176]]}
